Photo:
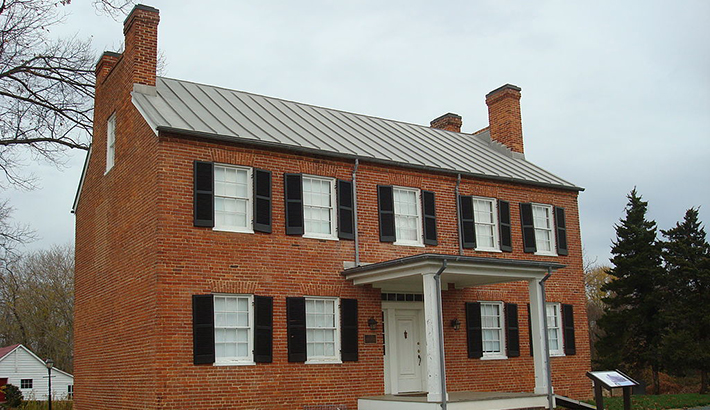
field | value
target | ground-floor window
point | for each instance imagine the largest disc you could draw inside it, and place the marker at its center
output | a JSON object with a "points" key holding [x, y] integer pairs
{"points": [[554, 329], [322, 323], [492, 329], [25, 383]]}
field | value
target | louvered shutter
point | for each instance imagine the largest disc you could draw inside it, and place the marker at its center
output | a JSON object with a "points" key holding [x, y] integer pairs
{"points": [[506, 238], [262, 200], [568, 324], [348, 330], [385, 205], [474, 332], [429, 208], [296, 328], [294, 204], [561, 231], [263, 329], [526, 218], [346, 215], [468, 223], [203, 186], [203, 329], [512, 330]]}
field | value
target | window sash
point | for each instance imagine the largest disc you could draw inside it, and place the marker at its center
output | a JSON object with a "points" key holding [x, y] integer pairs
{"points": [[232, 198], [110, 142], [492, 323], [486, 218], [233, 328], [407, 216], [544, 236], [319, 207], [322, 329], [26, 383], [554, 329]]}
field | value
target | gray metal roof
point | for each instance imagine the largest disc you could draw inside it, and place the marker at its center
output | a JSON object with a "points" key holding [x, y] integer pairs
{"points": [[213, 112]]}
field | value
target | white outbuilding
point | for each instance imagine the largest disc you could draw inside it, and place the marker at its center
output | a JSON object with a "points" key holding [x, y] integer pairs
{"points": [[22, 368]]}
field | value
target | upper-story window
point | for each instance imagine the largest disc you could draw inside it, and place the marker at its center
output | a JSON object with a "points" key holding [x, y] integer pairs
{"points": [[232, 198], [407, 212], [110, 142], [486, 224], [544, 234], [319, 207]]}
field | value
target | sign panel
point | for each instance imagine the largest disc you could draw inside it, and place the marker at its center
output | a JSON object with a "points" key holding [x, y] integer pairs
{"points": [[612, 378]]}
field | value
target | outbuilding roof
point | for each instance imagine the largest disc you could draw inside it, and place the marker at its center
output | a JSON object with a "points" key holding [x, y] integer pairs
{"points": [[4, 351], [207, 111]]}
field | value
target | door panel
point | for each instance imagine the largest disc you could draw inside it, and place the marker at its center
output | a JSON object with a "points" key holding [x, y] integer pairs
{"points": [[408, 350]]}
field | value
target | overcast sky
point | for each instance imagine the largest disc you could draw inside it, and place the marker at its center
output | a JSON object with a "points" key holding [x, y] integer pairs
{"points": [[614, 94]]}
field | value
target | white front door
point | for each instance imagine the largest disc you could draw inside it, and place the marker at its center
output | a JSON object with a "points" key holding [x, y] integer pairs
{"points": [[408, 349]]}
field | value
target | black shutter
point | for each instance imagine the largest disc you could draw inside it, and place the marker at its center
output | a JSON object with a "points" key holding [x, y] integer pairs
{"points": [[202, 329], [561, 231], [294, 204], [526, 217], [385, 205], [296, 329], [346, 216], [568, 324], [348, 330], [530, 330], [203, 194], [262, 200], [512, 330], [263, 329], [506, 238], [468, 223], [429, 208], [474, 333]]}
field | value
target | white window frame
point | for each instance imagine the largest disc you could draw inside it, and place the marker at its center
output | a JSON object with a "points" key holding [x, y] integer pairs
{"points": [[494, 224], [70, 392], [110, 142], [554, 324], [236, 361], [418, 199], [249, 227], [336, 349], [333, 209], [550, 229], [501, 332]]}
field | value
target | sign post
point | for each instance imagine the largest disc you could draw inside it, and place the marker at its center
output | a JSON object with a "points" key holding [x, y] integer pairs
{"points": [[611, 379]]}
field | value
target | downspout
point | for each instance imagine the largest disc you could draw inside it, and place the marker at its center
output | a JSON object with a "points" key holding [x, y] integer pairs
{"points": [[357, 236], [550, 394], [439, 308], [458, 213]]}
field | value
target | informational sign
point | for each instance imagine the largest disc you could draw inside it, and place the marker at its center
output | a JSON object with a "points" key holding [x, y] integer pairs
{"points": [[612, 378]]}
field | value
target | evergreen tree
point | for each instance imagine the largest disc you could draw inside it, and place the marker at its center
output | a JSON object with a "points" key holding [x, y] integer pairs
{"points": [[686, 254], [632, 324]]}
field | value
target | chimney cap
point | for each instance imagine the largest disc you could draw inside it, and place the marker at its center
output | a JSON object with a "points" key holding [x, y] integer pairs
{"points": [[140, 7], [504, 87], [447, 115]]}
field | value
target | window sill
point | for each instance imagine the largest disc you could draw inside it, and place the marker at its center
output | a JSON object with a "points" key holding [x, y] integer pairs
{"points": [[487, 250], [235, 230], [234, 364], [324, 361], [546, 253], [415, 244], [557, 354], [494, 357], [325, 238]]}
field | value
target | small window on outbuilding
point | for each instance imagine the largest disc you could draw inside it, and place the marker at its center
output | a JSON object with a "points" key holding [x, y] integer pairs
{"points": [[25, 383]]}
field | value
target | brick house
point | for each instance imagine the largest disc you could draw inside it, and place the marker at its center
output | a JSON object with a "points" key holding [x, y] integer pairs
{"points": [[236, 251]]}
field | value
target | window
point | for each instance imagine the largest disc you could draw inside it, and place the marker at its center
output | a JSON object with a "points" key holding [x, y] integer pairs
{"points": [[233, 318], [544, 235], [486, 224], [322, 330], [319, 207], [554, 329], [110, 142], [407, 216], [493, 334], [25, 383], [70, 392], [232, 198]]}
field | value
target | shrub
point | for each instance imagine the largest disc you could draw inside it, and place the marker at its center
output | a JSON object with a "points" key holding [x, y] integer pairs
{"points": [[13, 396]]}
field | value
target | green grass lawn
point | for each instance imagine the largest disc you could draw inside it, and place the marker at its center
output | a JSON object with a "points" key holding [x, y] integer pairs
{"points": [[664, 401]]}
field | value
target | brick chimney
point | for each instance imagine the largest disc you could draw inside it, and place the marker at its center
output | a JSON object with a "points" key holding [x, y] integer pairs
{"points": [[106, 63], [448, 122], [141, 36], [506, 124]]}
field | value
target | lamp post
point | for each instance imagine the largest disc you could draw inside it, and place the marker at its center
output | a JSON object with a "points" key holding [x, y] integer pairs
{"points": [[50, 364]]}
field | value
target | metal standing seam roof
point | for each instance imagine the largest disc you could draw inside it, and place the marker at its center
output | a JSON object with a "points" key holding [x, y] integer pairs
{"points": [[212, 112]]}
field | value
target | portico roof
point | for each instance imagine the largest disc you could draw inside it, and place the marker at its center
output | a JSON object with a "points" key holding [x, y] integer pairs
{"points": [[405, 274]]}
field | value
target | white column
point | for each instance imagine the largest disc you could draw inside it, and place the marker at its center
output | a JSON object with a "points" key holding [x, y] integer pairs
{"points": [[431, 323], [537, 309]]}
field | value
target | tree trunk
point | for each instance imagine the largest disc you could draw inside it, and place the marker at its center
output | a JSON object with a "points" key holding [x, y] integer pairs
{"points": [[656, 380], [703, 381]]}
